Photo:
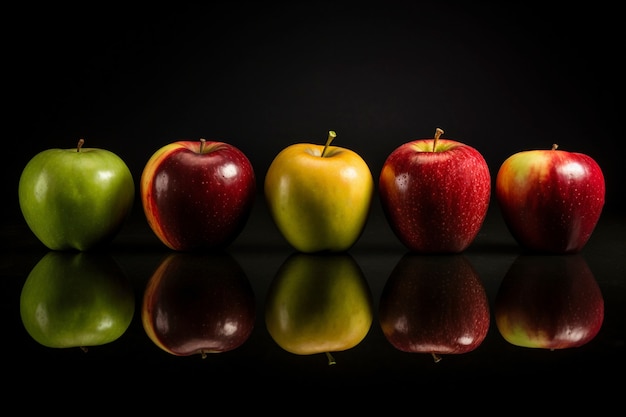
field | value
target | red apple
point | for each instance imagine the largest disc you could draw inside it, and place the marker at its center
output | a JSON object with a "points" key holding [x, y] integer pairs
{"points": [[549, 302], [434, 304], [197, 194], [551, 200], [435, 194], [198, 304]]}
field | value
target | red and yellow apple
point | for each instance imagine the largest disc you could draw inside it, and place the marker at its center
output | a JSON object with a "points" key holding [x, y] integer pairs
{"points": [[319, 196], [550, 199], [435, 194], [197, 194]]}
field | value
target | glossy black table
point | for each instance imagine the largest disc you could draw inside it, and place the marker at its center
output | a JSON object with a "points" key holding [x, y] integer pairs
{"points": [[374, 363]]}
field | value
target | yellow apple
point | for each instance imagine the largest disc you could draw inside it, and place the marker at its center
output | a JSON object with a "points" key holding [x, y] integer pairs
{"points": [[319, 196]]}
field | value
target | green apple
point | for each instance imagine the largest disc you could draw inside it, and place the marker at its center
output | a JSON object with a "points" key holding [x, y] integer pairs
{"points": [[318, 303], [319, 196], [76, 198], [76, 299]]}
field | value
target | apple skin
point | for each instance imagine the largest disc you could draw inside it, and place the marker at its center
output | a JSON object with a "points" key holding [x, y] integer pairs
{"points": [[435, 202], [549, 302], [76, 199], [550, 200], [319, 203], [197, 194], [198, 304], [434, 304], [318, 303], [76, 299]]}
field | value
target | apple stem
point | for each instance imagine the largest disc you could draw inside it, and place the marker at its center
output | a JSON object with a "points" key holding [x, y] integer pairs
{"points": [[331, 135], [202, 143], [203, 354], [331, 360], [81, 141], [554, 146], [438, 133], [436, 357]]}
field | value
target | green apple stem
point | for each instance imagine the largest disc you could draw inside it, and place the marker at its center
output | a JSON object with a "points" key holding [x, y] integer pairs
{"points": [[331, 135], [331, 360], [436, 357], [438, 133], [81, 141]]}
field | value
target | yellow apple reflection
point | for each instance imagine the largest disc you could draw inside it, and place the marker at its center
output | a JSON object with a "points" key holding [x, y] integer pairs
{"points": [[318, 303]]}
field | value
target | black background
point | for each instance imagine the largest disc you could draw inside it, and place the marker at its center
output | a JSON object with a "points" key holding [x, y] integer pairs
{"points": [[501, 77]]}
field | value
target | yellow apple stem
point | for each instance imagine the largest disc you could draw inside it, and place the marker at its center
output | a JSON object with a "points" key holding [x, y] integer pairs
{"points": [[331, 135], [81, 141], [331, 360], [438, 133], [202, 142], [554, 146], [436, 357]]}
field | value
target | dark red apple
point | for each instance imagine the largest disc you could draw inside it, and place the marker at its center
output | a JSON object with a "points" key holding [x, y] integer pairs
{"points": [[434, 304], [551, 200], [549, 302], [435, 194], [197, 194], [198, 304]]}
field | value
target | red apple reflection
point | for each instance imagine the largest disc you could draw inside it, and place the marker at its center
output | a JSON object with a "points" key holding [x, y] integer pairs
{"points": [[549, 302], [434, 304], [198, 304]]}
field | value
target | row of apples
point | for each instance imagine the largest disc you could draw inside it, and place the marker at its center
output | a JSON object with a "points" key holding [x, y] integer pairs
{"points": [[198, 195]]}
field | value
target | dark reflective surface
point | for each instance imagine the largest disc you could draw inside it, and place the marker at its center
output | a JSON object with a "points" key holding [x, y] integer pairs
{"points": [[373, 363]]}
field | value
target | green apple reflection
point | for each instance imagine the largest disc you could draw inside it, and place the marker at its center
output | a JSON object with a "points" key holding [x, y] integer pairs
{"points": [[318, 303], [76, 299], [549, 302]]}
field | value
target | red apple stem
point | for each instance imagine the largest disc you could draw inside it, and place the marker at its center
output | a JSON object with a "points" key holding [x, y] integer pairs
{"points": [[331, 135], [554, 146], [438, 133], [436, 357], [331, 360], [202, 143], [81, 141]]}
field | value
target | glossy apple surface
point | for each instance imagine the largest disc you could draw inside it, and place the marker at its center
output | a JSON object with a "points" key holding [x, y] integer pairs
{"points": [[549, 302], [198, 304], [76, 198], [74, 299], [551, 200], [318, 303], [197, 194], [435, 194], [319, 196], [434, 304]]}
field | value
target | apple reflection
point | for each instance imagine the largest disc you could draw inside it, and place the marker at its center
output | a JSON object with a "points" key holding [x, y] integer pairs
{"points": [[550, 302], [198, 304], [319, 303], [434, 304], [76, 299]]}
